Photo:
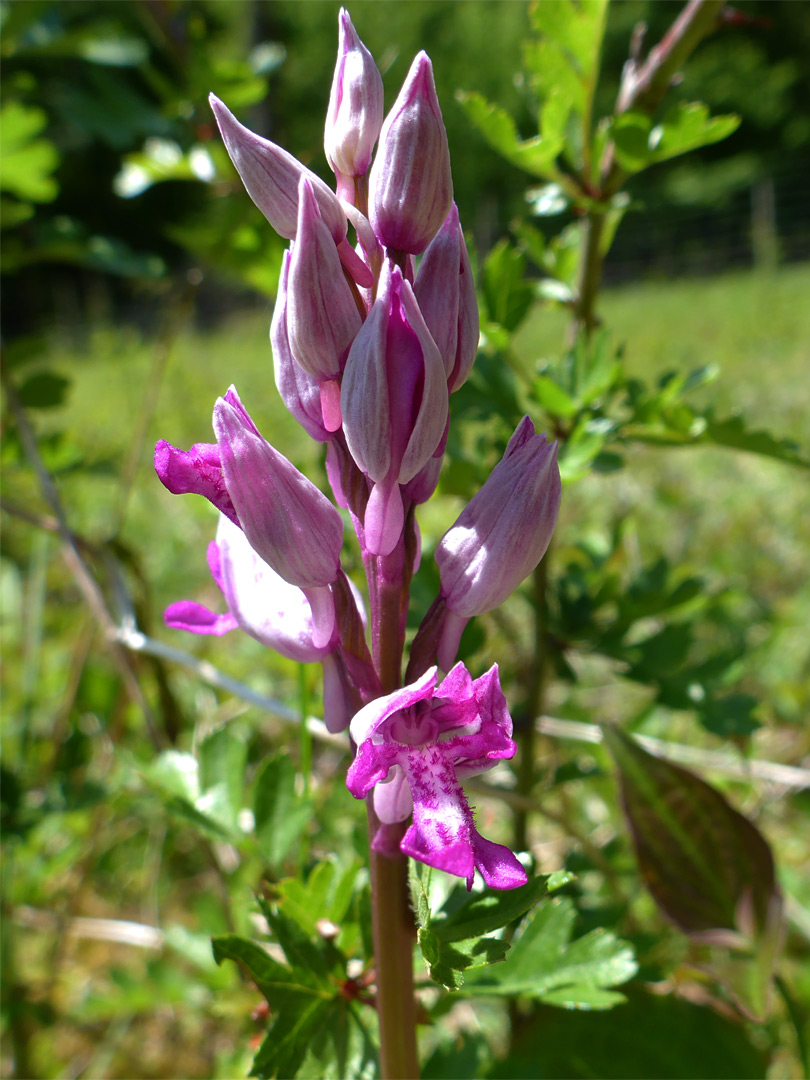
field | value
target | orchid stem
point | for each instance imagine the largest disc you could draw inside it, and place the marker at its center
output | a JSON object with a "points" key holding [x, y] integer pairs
{"points": [[393, 929], [392, 918]]}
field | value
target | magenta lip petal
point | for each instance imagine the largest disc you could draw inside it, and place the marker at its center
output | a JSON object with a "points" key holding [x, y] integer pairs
{"points": [[456, 858], [425, 738], [197, 471], [499, 867], [197, 619]]}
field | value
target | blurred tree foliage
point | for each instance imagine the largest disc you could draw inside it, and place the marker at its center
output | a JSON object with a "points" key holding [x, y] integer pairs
{"points": [[114, 184]]}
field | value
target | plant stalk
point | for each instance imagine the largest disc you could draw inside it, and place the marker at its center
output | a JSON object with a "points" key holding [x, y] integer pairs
{"points": [[392, 918], [393, 931]]}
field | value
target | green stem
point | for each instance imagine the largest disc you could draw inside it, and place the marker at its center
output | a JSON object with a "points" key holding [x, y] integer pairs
{"points": [[590, 276]]}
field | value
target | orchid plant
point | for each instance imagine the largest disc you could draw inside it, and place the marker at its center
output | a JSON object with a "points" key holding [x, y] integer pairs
{"points": [[369, 342]]}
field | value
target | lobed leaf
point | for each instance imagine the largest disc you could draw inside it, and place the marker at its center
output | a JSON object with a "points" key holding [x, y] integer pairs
{"points": [[535, 155], [544, 963], [638, 143]]}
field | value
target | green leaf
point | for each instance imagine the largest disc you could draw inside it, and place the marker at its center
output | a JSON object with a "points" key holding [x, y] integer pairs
{"points": [[315, 1032], [582, 446], [730, 716], [650, 1036], [708, 867], [488, 911], [344, 1047], [687, 127], [535, 155], [735, 433], [550, 396], [26, 163], [281, 815], [544, 963], [222, 758], [279, 983], [563, 65], [286, 1044], [447, 962], [508, 296], [631, 140], [455, 938], [576, 27], [326, 894], [302, 949], [44, 390], [177, 774], [176, 777], [662, 417]]}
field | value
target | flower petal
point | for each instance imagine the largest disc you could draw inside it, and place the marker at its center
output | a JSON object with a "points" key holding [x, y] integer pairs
{"points": [[366, 722], [499, 867], [197, 619]]}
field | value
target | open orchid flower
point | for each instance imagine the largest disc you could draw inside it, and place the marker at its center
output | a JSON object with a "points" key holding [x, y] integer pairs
{"points": [[287, 520], [267, 607], [413, 748]]}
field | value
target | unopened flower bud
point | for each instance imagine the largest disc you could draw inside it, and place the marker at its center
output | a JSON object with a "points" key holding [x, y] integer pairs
{"points": [[394, 404], [501, 534], [355, 113], [445, 290], [410, 185], [322, 316], [271, 177], [297, 388]]}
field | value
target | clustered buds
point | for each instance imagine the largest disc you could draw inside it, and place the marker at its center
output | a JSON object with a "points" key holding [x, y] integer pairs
{"points": [[369, 341]]}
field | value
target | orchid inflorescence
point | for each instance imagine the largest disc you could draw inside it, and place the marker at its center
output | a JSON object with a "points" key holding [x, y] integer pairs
{"points": [[367, 346]]}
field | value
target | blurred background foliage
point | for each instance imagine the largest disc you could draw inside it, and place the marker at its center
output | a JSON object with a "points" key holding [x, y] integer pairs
{"points": [[143, 806]]}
